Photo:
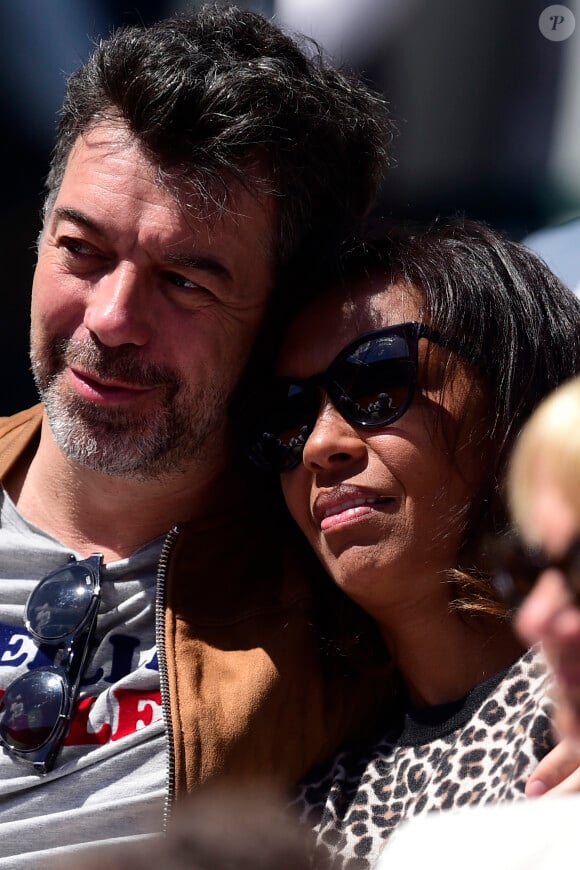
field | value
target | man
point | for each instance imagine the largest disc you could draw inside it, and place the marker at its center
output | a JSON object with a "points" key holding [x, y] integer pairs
{"points": [[199, 163]]}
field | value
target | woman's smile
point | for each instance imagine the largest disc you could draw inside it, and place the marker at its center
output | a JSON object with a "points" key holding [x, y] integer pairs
{"points": [[348, 504]]}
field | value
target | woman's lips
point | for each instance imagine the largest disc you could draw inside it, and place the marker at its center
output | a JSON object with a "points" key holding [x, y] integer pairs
{"points": [[350, 513], [346, 505]]}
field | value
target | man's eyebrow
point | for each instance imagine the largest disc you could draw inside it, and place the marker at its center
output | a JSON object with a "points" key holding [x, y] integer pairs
{"points": [[206, 264], [185, 261], [63, 212]]}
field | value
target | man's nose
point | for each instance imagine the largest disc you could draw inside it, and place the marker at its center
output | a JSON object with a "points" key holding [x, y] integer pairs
{"points": [[118, 309]]}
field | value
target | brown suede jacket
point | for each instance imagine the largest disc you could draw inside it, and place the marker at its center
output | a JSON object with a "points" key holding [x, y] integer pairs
{"points": [[247, 691]]}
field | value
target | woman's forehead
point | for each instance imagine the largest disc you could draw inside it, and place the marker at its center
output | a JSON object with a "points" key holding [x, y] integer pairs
{"points": [[336, 318]]}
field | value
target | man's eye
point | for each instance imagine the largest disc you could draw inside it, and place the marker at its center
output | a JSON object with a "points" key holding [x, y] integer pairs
{"points": [[180, 281], [76, 247], [186, 288]]}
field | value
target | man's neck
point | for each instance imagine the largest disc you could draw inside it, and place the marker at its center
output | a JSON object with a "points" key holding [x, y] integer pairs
{"points": [[94, 512]]}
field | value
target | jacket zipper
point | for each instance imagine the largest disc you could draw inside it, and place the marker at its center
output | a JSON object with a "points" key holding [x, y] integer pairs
{"points": [[168, 544]]}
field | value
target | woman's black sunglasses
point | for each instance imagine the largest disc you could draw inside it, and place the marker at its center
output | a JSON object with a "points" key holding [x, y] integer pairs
{"points": [[36, 708], [517, 566], [371, 383]]}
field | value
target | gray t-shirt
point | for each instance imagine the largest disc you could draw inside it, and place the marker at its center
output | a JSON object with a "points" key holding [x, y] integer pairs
{"points": [[109, 780]]}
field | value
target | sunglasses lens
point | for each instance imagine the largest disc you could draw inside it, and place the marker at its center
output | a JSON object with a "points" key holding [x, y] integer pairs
{"points": [[286, 424], [573, 575], [517, 569], [371, 384], [30, 709], [61, 603], [375, 384]]}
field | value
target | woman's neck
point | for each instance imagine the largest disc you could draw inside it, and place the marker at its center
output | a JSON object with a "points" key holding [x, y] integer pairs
{"points": [[442, 665]]}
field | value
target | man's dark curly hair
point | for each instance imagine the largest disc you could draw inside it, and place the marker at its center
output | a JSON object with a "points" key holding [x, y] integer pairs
{"points": [[223, 94]]}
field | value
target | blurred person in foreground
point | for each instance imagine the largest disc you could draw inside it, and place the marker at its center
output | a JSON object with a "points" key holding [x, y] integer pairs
{"points": [[155, 628], [544, 492], [216, 829], [540, 569]]}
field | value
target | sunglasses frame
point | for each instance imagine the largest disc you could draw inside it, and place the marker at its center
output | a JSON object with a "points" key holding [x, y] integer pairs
{"points": [[411, 331], [72, 660]]}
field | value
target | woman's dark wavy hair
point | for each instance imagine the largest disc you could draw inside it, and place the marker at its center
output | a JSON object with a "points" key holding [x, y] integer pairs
{"points": [[517, 325], [224, 94]]}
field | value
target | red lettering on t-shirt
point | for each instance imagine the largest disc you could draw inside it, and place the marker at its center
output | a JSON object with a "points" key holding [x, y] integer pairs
{"points": [[79, 734], [136, 710]]}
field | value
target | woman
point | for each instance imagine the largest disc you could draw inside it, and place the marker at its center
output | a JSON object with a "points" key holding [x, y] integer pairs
{"points": [[400, 392]]}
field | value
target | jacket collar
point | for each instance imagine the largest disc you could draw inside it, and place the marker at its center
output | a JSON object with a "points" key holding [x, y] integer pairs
{"points": [[17, 434]]}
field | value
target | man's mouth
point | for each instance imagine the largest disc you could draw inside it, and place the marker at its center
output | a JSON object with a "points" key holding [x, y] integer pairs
{"points": [[105, 390]]}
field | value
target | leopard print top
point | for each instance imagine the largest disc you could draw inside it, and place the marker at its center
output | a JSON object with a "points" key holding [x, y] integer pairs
{"points": [[479, 750]]}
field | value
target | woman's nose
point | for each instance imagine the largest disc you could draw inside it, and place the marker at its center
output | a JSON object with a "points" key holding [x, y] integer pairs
{"points": [[333, 441]]}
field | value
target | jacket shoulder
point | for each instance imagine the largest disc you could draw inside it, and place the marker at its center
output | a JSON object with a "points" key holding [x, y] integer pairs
{"points": [[16, 434]]}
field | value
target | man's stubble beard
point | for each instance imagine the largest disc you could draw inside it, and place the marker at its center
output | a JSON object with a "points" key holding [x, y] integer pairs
{"points": [[182, 430]]}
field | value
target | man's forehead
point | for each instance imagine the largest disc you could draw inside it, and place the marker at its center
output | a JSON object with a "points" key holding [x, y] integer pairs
{"points": [[214, 196], [205, 204]]}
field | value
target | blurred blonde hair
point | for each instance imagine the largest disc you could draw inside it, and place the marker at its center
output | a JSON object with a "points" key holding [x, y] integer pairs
{"points": [[552, 435]]}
